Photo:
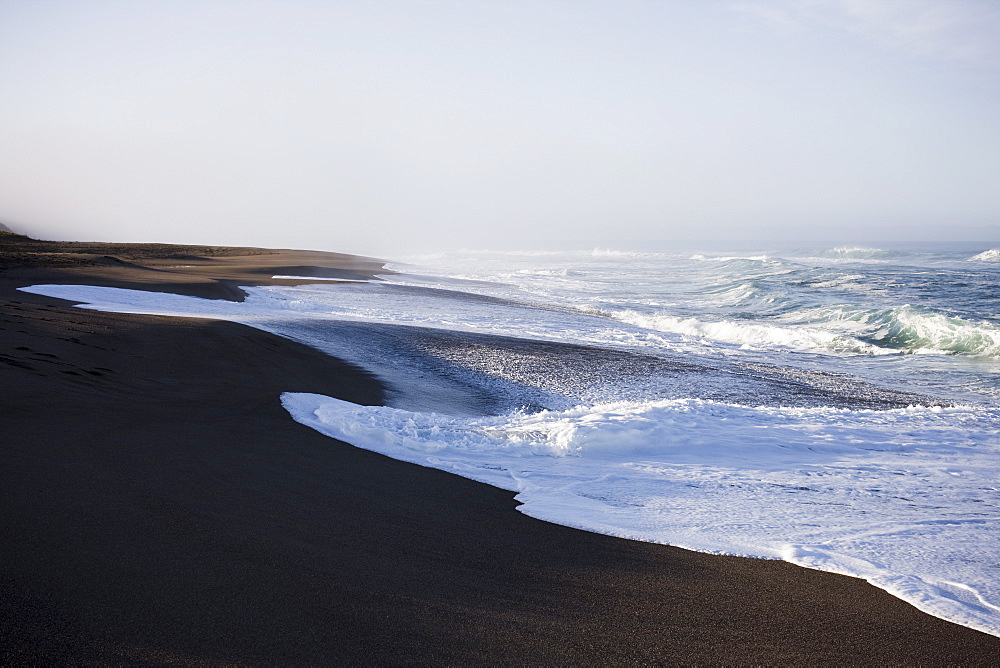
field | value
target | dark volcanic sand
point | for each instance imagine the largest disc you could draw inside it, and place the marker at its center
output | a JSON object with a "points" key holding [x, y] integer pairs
{"points": [[159, 506]]}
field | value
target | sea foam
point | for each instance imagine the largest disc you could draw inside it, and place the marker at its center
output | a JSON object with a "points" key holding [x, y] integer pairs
{"points": [[753, 439], [871, 494], [991, 255]]}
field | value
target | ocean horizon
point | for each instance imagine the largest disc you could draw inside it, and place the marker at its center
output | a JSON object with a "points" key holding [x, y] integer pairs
{"points": [[837, 407]]}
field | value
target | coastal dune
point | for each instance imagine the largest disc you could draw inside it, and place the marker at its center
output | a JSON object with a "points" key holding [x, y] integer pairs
{"points": [[160, 506]]}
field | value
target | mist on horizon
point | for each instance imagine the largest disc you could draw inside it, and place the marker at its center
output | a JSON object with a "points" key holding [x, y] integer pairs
{"points": [[391, 127]]}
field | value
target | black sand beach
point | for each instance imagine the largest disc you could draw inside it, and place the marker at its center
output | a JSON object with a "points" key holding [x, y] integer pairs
{"points": [[160, 506]]}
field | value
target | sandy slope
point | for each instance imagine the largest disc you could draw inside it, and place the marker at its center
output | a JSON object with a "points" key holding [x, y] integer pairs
{"points": [[160, 506]]}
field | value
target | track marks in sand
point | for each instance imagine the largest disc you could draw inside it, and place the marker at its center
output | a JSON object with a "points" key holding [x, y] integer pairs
{"points": [[42, 363], [39, 339]]}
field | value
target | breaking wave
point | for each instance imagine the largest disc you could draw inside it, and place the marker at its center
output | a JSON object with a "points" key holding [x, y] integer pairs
{"points": [[860, 253], [681, 410], [916, 330], [904, 329], [991, 255], [752, 334]]}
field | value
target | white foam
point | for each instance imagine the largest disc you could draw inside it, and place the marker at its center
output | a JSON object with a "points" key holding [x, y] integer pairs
{"points": [[753, 334], [692, 303], [906, 499], [991, 255], [836, 331], [860, 252], [928, 332], [870, 494], [732, 258], [324, 278]]}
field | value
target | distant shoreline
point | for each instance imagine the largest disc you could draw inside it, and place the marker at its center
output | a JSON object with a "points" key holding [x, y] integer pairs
{"points": [[161, 506], [212, 272]]}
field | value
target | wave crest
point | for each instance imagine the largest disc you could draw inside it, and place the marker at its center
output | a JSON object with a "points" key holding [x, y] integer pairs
{"points": [[991, 255], [905, 329], [749, 259], [916, 330], [752, 335], [860, 253]]}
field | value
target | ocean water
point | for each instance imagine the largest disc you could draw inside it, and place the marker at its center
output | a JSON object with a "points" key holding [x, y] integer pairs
{"points": [[838, 408]]}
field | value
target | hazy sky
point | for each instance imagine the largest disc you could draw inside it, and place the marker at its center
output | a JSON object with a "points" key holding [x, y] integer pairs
{"points": [[381, 126]]}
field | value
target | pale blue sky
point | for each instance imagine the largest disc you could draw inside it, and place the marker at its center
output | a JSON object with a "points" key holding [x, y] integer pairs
{"points": [[380, 127]]}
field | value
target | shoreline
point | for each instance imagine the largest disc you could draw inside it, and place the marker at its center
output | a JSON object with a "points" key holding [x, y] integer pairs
{"points": [[209, 272], [162, 506]]}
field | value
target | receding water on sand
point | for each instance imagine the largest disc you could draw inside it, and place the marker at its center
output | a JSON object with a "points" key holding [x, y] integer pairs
{"points": [[838, 410], [832, 489]]}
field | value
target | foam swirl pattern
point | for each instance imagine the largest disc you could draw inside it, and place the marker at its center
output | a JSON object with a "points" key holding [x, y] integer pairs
{"points": [[837, 408]]}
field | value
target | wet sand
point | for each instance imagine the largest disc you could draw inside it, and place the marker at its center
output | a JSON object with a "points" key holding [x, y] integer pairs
{"points": [[160, 506]]}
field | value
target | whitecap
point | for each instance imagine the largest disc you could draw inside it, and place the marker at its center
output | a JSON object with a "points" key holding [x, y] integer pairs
{"points": [[991, 255]]}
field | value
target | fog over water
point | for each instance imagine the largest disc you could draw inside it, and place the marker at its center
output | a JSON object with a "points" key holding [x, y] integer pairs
{"points": [[393, 127]]}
